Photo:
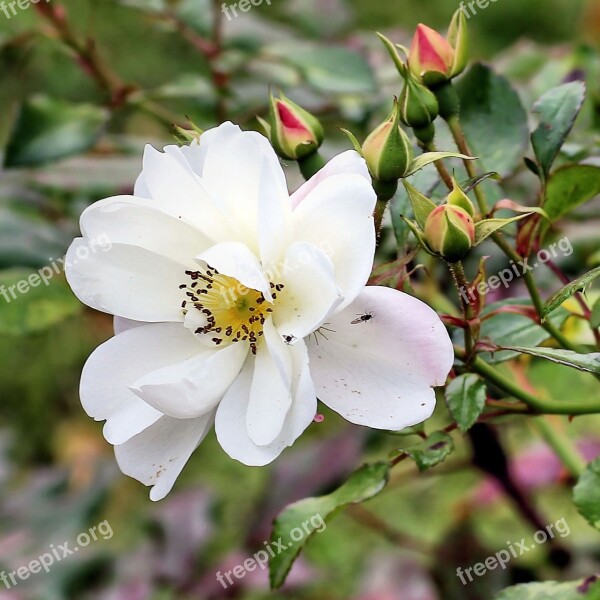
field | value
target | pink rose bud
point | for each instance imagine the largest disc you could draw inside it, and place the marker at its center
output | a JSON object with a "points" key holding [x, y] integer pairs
{"points": [[434, 59], [294, 133]]}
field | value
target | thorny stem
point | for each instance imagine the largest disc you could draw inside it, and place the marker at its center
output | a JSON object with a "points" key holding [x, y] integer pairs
{"points": [[463, 147]]}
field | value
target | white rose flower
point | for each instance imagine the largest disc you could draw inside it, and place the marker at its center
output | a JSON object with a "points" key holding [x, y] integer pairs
{"points": [[238, 305]]}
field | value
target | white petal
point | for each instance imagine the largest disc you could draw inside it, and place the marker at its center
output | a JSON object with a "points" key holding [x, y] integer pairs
{"points": [[127, 220], [117, 363], [310, 293], [195, 153], [236, 260], [157, 455], [337, 217], [349, 162], [237, 169], [273, 372], [274, 219], [231, 420], [179, 192], [194, 387], [120, 324], [381, 372], [127, 281]]}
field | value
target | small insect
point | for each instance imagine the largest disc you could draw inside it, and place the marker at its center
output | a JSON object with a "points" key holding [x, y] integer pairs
{"points": [[362, 318], [289, 339]]}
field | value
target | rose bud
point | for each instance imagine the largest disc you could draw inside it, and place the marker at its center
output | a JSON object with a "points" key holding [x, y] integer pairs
{"points": [[433, 59], [418, 108], [450, 232], [388, 150], [293, 132]]}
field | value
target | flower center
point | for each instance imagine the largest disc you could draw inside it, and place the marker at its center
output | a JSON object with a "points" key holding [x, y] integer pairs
{"points": [[221, 307]]}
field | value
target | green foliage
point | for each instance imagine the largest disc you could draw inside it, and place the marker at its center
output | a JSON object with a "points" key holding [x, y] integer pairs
{"points": [[586, 494], [493, 119], [569, 187], [552, 590], [465, 397], [577, 285], [507, 329], [332, 70], [48, 130], [557, 111], [362, 485], [589, 363], [431, 451]]}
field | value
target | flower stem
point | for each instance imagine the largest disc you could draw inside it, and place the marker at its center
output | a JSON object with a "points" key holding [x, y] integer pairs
{"points": [[561, 444], [478, 365], [463, 147], [385, 192], [458, 273]]}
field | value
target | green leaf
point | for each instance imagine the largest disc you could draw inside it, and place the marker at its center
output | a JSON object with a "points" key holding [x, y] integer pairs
{"points": [[430, 157], [569, 187], [28, 305], [430, 452], [586, 494], [311, 514], [465, 397], [583, 362], [558, 110], [552, 590], [330, 69], [578, 285], [484, 229], [421, 204], [595, 320], [509, 329], [48, 130], [493, 119], [427, 180]]}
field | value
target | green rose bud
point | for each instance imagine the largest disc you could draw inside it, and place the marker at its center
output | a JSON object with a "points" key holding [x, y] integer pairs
{"points": [[418, 105], [450, 232], [388, 150]]}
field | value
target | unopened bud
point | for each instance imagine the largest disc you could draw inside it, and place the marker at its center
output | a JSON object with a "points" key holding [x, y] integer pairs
{"points": [[450, 232], [293, 132], [388, 150], [433, 59]]}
